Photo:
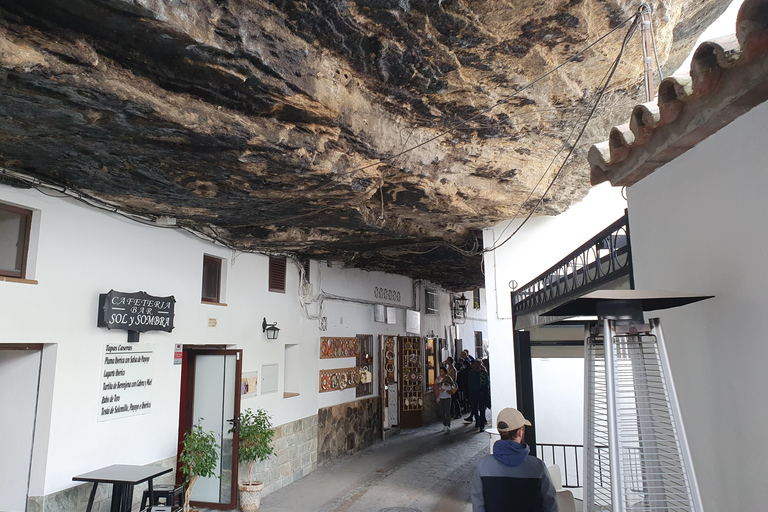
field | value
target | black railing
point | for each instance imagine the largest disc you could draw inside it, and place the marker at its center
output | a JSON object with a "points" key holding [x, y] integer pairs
{"points": [[570, 458], [605, 257]]}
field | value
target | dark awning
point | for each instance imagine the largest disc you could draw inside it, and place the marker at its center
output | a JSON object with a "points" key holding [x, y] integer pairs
{"points": [[650, 299]]}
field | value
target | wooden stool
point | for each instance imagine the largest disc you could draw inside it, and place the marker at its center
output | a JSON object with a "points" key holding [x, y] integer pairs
{"points": [[168, 493]]}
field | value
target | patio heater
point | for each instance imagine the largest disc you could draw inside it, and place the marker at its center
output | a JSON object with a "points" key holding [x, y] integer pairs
{"points": [[636, 456]]}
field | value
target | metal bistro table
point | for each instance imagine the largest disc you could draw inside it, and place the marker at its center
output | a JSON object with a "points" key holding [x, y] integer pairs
{"points": [[123, 478]]}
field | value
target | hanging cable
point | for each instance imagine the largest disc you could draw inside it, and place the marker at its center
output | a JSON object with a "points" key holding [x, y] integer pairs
{"points": [[505, 99], [602, 90], [649, 9]]}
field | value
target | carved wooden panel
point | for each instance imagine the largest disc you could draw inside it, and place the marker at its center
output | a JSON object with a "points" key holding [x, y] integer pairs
{"points": [[336, 380], [339, 347]]}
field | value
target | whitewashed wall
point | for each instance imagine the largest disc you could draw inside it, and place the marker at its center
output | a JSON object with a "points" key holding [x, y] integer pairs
{"points": [[477, 321], [698, 226], [347, 318], [81, 252], [541, 243]]}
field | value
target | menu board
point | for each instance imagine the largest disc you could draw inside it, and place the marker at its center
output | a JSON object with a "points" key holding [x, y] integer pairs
{"points": [[127, 371]]}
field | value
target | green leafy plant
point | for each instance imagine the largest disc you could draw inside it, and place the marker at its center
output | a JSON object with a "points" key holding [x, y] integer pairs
{"points": [[255, 434], [198, 457]]}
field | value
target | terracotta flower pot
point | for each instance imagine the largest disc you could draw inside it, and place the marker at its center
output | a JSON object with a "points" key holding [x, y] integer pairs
{"points": [[250, 495]]}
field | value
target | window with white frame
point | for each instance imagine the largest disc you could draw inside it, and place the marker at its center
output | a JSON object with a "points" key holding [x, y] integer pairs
{"points": [[478, 344], [15, 227]]}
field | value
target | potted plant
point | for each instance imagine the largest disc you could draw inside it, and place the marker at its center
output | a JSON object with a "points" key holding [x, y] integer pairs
{"points": [[198, 457], [254, 431]]}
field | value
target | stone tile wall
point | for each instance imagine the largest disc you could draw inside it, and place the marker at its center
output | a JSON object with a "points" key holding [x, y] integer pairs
{"points": [[75, 499], [347, 428], [295, 455]]}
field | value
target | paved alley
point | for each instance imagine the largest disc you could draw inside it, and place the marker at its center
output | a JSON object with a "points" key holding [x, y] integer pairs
{"points": [[423, 469]]}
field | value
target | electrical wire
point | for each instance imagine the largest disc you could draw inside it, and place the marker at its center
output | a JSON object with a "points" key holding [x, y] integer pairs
{"points": [[505, 99], [648, 8], [216, 238], [602, 90], [598, 95]]}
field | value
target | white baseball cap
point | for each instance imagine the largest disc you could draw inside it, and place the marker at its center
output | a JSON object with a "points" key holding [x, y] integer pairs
{"points": [[512, 418]]}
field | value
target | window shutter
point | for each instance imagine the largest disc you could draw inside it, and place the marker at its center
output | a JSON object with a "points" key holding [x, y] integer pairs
{"points": [[277, 275]]}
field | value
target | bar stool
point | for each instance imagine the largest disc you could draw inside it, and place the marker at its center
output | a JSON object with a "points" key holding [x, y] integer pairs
{"points": [[165, 494]]}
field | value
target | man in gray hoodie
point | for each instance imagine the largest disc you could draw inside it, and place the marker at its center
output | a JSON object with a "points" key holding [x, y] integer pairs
{"points": [[510, 480]]}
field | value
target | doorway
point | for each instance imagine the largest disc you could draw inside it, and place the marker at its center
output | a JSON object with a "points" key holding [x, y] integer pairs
{"points": [[19, 371], [210, 394]]}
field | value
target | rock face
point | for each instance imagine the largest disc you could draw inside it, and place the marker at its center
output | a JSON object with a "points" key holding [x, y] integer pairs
{"points": [[383, 133]]}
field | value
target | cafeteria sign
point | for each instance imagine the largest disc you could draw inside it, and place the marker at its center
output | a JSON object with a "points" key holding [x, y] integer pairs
{"points": [[138, 312]]}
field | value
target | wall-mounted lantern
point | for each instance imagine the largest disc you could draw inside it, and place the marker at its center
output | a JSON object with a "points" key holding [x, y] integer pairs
{"points": [[460, 308], [271, 329]]}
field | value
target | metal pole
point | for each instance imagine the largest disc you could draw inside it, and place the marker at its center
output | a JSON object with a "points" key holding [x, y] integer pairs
{"points": [[613, 431]]}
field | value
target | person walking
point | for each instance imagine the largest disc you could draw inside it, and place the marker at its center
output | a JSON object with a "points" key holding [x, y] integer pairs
{"points": [[444, 389], [451, 370], [511, 480], [478, 386], [462, 378]]}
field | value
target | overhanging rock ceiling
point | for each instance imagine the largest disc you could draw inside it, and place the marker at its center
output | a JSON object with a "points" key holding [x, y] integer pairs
{"points": [[385, 134]]}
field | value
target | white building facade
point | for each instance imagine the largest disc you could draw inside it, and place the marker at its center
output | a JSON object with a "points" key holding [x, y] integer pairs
{"points": [[54, 373]]}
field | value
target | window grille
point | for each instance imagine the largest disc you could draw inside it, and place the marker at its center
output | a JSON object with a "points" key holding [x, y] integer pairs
{"points": [[430, 301]]}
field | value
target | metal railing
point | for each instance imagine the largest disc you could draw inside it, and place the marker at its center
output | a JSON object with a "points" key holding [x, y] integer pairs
{"points": [[603, 258], [570, 458]]}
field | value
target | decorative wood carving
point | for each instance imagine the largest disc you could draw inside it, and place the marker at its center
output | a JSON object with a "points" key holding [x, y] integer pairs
{"points": [[336, 380], [339, 347]]}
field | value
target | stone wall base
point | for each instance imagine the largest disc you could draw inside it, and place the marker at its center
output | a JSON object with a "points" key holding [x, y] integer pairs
{"points": [[347, 428], [295, 456]]}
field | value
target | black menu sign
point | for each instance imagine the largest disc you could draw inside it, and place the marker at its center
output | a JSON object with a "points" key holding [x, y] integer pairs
{"points": [[137, 311]]}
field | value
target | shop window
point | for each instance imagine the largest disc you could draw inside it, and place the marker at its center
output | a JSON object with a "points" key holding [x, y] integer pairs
{"points": [[211, 279], [277, 275], [430, 301], [15, 226], [476, 298]]}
